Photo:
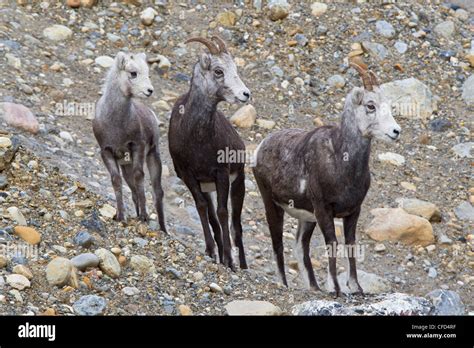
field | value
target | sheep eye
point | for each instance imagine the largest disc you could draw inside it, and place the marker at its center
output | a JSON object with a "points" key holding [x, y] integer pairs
{"points": [[218, 72], [370, 108], [133, 74]]}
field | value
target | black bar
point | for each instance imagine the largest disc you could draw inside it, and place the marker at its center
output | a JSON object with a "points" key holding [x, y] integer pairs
{"points": [[288, 331]]}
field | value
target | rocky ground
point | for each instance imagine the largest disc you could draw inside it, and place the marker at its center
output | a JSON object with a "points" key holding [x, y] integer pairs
{"points": [[294, 60]]}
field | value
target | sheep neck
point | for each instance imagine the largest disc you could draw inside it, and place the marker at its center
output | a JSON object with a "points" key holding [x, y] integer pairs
{"points": [[200, 111], [354, 148], [118, 104]]}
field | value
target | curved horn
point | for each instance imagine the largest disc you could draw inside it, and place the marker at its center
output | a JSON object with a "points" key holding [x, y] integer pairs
{"points": [[220, 43], [367, 76], [209, 44]]}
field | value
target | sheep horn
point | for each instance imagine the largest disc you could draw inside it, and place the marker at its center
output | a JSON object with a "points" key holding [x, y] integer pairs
{"points": [[220, 43], [368, 77], [209, 44]]}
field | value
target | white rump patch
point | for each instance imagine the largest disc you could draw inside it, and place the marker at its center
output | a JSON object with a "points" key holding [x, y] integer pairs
{"points": [[253, 162], [211, 186], [299, 214]]}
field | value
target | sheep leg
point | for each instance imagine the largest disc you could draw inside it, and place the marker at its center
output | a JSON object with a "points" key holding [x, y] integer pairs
{"points": [[202, 208], [114, 171], [138, 160], [326, 222], [153, 162], [128, 176], [274, 214], [303, 239], [237, 194], [222, 188], [350, 224], [216, 227]]}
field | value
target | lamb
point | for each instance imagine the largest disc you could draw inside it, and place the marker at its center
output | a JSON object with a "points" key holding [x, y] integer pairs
{"points": [[322, 174], [127, 133], [198, 133]]}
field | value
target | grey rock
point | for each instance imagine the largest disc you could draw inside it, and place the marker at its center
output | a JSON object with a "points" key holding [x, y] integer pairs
{"points": [[440, 125], [464, 211], [336, 81], [384, 28], [83, 261], [3, 181], [375, 49], [401, 47], [387, 304], [184, 230], [83, 239], [410, 98], [463, 149], [90, 305], [445, 29], [319, 308], [468, 90], [432, 273], [446, 302]]}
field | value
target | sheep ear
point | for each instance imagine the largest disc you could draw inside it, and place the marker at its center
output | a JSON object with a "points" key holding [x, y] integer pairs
{"points": [[357, 96], [205, 61], [121, 60]]}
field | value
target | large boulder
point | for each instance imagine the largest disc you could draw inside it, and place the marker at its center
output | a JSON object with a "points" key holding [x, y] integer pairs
{"points": [[395, 224], [425, 209], [446, 302], [19, 116], [410, 98], [243, 307]]}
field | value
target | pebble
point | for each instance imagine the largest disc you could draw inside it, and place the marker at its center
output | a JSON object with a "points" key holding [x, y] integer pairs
{"points": [[108, 263], [16, 215], [215, 288], [60, 272], [148, 15], [432, 273], [463, 150], [464, 211], [278, 9], [83, 261], [104, 61], [90, 305], [380, 247], [83, 239], [142, 264], [18, 281], [57, 33], [336, 81], [130, 291], [385, 29], [23, 270], [445, 29], [318, 8], [401, 47], [185, 310], [107, 211], [28, 234], [392, 158]]}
